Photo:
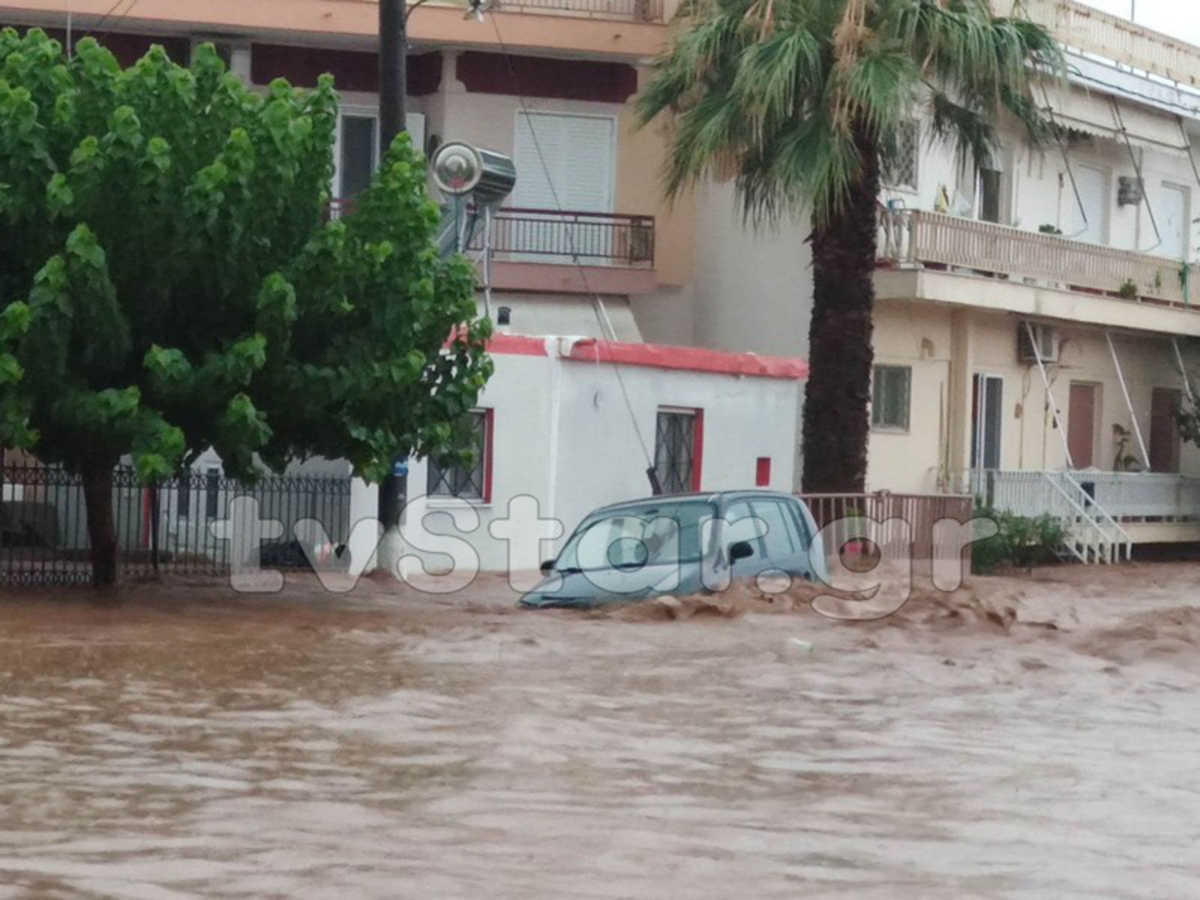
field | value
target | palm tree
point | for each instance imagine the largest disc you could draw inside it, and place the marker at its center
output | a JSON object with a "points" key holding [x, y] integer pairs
{"points": [[803, 102]]}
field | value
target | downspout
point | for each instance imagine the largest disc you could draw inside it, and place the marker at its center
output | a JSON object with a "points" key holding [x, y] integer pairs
{"points": [[1137, 429], [1062, 433]]}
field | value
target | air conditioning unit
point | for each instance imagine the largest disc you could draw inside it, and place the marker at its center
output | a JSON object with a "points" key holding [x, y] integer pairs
{"points": [[1046, 341]]}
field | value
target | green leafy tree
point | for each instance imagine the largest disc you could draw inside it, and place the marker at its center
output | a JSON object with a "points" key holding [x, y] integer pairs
{"points": [[803, 102], [171, 283]]}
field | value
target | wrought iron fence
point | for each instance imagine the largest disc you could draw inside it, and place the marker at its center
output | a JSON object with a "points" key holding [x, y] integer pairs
{"points": [[173, 526]]}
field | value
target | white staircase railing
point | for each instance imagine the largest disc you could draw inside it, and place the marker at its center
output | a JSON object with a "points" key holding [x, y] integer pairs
{"points": [[1092, 535], [1115, 541]]}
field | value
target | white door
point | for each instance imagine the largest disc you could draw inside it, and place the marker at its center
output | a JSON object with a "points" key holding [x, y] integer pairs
{"points": [[1173, 220], [565, 165], [1092, 185]]}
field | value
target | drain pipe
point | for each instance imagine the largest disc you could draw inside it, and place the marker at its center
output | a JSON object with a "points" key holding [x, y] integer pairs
{"points": [[1137, 429], [1037, 355]]}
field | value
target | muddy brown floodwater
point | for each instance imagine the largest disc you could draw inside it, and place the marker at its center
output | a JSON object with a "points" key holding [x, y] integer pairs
{"points": [[1020, 738]]}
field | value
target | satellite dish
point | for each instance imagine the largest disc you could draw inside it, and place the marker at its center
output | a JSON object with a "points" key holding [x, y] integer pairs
{"points": [[460, 170]]}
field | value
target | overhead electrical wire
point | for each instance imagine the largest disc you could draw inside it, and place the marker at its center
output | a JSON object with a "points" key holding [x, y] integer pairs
{"points": [[597, 303]]}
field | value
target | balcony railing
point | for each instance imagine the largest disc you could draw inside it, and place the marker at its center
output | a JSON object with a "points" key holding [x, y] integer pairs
{"points": [[1114, 38], [623, 10], [543, 235], [919, 237]]}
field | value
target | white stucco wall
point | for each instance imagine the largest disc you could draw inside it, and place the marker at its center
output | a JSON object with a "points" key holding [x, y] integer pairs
{"points": [[564, 435]]}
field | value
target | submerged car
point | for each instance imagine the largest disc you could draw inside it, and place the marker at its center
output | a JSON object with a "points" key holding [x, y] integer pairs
{"points": [[681, 544]]}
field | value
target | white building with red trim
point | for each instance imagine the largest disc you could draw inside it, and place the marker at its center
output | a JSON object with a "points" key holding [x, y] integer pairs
{"points": [[575, 422]]}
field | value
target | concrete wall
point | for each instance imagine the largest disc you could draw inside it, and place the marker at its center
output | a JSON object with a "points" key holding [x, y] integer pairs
{"points": [[918, 336], [752, 289], [565, 314], [564, 435]]}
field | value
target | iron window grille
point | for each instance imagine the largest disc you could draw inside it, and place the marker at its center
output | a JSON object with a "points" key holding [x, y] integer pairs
{"points": [[675, 457], [462, 482]]}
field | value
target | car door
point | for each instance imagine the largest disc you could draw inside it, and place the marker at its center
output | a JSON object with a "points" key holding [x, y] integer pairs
{"points": [[785, 547]]}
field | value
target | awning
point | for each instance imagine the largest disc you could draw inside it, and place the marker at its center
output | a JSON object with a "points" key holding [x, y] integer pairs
{"points": [[1094, 113]]}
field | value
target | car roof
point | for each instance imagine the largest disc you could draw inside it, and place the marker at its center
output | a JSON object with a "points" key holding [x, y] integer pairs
{"points": [[709, 496]]}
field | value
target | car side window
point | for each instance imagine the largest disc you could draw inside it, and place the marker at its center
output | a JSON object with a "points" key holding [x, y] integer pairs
{"points": [[797, 526], [778, 540], [741, 525]]}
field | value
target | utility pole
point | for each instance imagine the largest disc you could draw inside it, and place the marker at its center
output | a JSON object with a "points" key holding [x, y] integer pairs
{"points": [[393, 89], [393, 74]]}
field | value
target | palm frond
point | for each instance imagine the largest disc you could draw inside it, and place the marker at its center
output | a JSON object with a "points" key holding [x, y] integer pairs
{"points": [[788, 94]]}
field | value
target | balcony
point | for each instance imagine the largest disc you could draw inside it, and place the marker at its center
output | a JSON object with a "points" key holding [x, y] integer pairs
{"points": [[617, 10], [919, 239], [1089, 30], [571, 252], [592, 238]]}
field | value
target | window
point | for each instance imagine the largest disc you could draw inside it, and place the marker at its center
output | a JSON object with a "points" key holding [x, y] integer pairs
{"points": [[677, 449], [474, 483], [890, 397], [654, 533], [777, 539], [901, 170], [566, 161], [357, 153]]}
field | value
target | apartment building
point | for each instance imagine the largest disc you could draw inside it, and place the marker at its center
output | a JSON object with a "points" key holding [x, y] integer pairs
{"points": [[1035, 321]]}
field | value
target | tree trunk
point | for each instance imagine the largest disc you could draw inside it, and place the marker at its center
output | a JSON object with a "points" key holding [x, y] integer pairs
{"points": [[102, 534], [838, 391]]}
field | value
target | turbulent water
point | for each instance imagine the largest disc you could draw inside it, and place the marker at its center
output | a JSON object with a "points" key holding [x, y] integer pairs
{"points": [[1024, 739]]}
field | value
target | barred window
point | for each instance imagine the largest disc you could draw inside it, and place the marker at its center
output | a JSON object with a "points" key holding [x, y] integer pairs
{"points": [[891, 391], [901, 171], [677, 450], [472, 483]]}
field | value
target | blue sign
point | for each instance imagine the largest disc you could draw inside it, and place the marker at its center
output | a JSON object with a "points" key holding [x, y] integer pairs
{"points": [[400, 468]]}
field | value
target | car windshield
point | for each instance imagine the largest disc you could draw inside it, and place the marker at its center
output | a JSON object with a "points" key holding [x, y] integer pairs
{"points": [[656, 533]]}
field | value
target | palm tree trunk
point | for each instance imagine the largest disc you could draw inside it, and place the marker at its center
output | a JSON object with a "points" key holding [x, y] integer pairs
{"points": [[838, 392], [102, 535]]}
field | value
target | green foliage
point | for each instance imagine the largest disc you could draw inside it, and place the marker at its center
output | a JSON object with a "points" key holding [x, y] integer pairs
{"points": [[1188, 420], [169, 281], [1021, 541], [1128, 289], [773, 91]]}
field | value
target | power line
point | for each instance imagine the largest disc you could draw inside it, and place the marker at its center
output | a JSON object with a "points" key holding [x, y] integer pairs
{"points": [[597, 302]]}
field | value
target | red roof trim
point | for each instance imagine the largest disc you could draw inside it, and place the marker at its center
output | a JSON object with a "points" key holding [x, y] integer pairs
{"points": [[691, 359], [517, 345]]}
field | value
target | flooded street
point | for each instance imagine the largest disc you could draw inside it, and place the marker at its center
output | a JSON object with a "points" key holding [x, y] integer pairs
{"points": [[1022, 739]]}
